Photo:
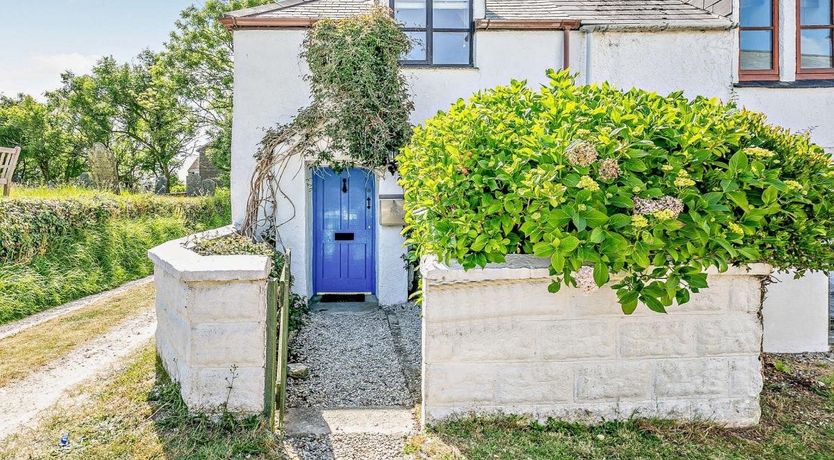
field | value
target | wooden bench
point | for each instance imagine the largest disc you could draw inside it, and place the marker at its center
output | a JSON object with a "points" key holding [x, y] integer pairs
{"points": [[8, 161]]}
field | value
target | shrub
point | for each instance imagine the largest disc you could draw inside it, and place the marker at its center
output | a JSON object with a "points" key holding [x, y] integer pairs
{"points": [[601, 181]]}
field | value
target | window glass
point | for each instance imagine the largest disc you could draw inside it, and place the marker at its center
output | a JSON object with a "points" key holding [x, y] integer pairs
{"points": [[756, 13], [815, 12], [450, 14], [418, 46], [450, 48], [410, 13], [816, 46], [756, 50]]}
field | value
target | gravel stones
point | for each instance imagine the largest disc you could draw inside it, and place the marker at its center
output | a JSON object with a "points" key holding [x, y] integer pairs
{"points": [[365, 358], [352, 362]]}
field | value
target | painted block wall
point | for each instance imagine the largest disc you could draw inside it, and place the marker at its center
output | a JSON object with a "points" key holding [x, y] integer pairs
{"points": [[211, 326], [495, 340]]}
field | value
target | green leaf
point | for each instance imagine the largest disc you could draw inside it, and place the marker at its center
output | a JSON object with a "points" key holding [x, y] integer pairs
{"points": [[597, 235], [554, 287], [542, 249], [739, 162], [600, 274], [557, 261], [770, 195], [569, 243], [595, 218]]}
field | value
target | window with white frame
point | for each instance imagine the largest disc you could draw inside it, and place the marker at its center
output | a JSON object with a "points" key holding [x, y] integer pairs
{"points": [[440, 31]]}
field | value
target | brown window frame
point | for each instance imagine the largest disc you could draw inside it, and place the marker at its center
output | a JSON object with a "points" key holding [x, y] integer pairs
{"points": [[771, 74], [810, 74]]}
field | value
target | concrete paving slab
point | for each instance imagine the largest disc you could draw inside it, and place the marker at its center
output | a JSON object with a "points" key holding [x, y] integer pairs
{"points": [[377, 420]]}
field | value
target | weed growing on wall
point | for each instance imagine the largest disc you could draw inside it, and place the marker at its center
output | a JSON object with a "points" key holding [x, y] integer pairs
{"points": [[603, 181]]}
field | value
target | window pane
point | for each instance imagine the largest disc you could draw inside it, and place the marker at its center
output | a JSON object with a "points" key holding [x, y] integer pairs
{"points": [[411, 13], [815, 12], [450, 48], [418, 46], [756, 50], [756, 13], [450, 14], [816, 49]]}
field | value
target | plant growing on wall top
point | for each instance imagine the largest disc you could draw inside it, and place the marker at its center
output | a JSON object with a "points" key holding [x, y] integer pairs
{"points": [[601, 181], [359, 111]]}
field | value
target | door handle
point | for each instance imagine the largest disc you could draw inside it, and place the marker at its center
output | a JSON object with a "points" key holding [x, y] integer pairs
{"points": [[344, 186], [369, 202]]}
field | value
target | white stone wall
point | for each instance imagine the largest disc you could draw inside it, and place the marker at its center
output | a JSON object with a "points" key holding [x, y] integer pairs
{"points": [[211, 332], [495, 340]]}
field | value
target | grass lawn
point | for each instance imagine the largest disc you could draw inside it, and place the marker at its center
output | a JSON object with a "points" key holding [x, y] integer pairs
{"points": [[797, 423], [137, 414], [30, 350]]}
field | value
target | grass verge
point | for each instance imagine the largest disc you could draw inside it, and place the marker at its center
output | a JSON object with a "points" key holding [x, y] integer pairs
{"points": [[30, 350], [138, 414], [797, 422]]}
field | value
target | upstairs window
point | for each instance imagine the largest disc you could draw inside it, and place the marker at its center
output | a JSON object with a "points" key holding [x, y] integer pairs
{"points": [[440, 31], [815, 39], [759, 40]]}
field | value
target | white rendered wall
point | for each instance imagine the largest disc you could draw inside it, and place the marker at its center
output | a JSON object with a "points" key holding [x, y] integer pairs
{"points": [[798, 109], [698, 62], [495, 340], [269, 89], [211, 326], [796, 314]]}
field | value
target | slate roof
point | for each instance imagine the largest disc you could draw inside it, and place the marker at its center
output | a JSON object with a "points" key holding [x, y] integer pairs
{"points": [[590, 12]]}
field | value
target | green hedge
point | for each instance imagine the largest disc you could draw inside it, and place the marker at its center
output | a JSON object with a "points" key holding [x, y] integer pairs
{"points": [[33, 221], [72, 247], [601, 181]]}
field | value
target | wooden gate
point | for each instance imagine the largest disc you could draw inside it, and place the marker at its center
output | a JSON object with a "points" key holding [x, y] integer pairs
{"points": [[278, 314]]}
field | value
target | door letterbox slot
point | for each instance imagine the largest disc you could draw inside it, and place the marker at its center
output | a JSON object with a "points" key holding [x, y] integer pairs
{"points": [[341, 236]]}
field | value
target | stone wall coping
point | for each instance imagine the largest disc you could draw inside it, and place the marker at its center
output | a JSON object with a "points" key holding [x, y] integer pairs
{"points": [[521, 266], [186, 265]]}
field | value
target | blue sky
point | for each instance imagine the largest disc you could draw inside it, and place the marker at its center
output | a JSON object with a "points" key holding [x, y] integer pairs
{"points": [[41, 38]]}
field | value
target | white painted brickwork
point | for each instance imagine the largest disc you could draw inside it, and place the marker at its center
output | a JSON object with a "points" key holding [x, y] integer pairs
{"points": [[211, 333], [495, 340]]}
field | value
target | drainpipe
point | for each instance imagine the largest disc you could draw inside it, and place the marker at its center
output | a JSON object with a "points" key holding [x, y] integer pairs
{"points": [[589, 42], [566, 48]]}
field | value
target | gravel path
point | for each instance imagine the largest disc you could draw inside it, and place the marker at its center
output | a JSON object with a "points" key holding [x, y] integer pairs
{"points": [[21, 401], [352, 362], [10, 329], [362, 359]]}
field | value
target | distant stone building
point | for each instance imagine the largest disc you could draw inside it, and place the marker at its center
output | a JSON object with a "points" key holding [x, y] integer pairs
{"points": [[203, 166]]}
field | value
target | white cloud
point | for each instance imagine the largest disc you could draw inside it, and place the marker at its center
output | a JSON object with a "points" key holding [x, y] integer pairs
{"points": [[41, 73]]}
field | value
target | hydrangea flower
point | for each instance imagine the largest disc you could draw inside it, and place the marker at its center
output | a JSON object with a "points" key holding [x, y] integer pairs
{"points": [[793, 185], [639, 221], [582, 153], [758, 152], [587, 183], [609, 170], [585, 279], [667, 203], [683, 179], [735, 228]]}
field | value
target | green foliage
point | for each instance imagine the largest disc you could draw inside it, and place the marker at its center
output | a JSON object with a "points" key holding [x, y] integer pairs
{"points": [[360, 98], [198, 60], [236, 244], [34, 225], [653, 189], [64, 249]]}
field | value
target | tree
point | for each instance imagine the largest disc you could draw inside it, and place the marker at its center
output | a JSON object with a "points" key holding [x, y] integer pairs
{"points": [[197, 60]]}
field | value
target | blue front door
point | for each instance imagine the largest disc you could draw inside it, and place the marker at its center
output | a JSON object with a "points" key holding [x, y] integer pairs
{"points": [[343, 231]]}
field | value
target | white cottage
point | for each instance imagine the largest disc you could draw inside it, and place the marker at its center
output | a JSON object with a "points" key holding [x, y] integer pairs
{"points": [[773, 56]]}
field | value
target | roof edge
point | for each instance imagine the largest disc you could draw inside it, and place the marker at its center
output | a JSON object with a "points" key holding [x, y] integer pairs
{"points": [[237, 23], [715, 24], [527, 24]]}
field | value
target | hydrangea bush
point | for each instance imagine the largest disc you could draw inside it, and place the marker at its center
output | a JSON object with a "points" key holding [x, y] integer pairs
{"points": [[603, 181]]}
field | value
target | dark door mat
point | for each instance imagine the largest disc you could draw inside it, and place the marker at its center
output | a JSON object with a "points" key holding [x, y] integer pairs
{"points": [[329, 298]]}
